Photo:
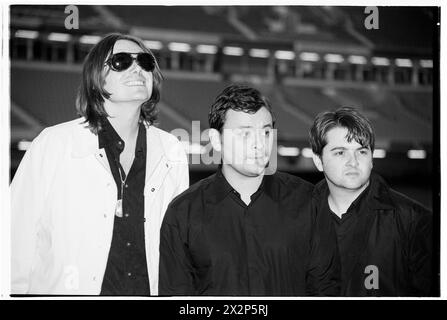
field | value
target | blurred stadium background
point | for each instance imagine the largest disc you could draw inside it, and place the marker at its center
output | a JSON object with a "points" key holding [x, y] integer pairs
{"points": [[306, 59]]}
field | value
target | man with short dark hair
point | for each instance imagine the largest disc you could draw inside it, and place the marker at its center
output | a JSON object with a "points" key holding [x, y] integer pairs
{"points": [[384, 238], [242, 231]]}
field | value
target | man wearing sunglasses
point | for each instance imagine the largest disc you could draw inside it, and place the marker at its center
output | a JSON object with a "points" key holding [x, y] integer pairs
{"points": [[89, 196]]}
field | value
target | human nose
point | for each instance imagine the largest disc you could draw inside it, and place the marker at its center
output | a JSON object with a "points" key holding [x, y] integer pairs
{"points": [[352, 159], [135, 67], [259, 140]]}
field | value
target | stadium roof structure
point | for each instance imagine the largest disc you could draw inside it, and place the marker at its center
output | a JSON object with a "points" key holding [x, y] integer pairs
{"points": [[320, 25], [92, 19], [175, 18], [298, 23], [401, 29]]}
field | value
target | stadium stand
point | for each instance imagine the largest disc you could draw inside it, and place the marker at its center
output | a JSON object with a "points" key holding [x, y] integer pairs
{"points": [[181, 18], [298, 23], [401, 29], [52, 18], [305, 59], [191, 98], [46, 93], [419, 104]]}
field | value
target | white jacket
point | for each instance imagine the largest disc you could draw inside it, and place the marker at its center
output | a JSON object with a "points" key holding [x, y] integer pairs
{"points": [[63, 198]]}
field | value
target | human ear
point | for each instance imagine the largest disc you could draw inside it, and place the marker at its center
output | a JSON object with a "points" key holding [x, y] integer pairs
{"points": [[215, 139], [317, 161]]}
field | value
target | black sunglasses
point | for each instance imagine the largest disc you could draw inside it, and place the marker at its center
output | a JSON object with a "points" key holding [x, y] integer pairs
{"points": [[123, 60]]}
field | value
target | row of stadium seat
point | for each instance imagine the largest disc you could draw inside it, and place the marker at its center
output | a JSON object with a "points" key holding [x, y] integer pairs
{"points": [[48, 95]]}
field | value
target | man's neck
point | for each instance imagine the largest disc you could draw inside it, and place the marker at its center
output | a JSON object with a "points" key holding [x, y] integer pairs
{"points": [[340, 199], [124, 119], [246, 186]]}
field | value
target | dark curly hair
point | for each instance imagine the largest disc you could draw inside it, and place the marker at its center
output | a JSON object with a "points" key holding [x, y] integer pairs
{"points": [[237, 98], [91, 93]]}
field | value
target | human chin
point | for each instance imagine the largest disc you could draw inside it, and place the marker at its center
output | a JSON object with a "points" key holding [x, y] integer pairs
{"points": [[139, 95], [254, 169], [354, 183]]}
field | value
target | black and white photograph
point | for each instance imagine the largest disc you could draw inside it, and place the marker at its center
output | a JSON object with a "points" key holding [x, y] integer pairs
{"points": [[187, 151]]}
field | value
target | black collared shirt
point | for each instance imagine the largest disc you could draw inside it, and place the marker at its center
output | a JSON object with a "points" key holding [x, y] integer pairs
{"points": [[126, 272], [212, 243]]}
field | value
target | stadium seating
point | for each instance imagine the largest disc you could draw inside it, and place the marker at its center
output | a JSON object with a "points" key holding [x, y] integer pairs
{"points": [[48, 94], [45, 73]]}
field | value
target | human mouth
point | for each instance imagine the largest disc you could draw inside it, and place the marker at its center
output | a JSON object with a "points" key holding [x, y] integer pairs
{"points": [[134, 83], [257, 159]]}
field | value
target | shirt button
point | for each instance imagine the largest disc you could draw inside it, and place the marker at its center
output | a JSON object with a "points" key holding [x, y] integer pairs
{"points": [[153, 189], [126, 186], [128, 244], [129, 274], [126, 215]]}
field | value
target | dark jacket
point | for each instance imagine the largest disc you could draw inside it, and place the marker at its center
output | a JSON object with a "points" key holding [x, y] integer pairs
{"points": [[393, 233]]}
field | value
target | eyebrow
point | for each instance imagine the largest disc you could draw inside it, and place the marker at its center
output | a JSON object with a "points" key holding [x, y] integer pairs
{"points": [[251, 127], [343, 148]]}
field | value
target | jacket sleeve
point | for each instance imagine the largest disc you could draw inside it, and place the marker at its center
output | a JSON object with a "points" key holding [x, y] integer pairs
{"points": [[176, 267], [423, 280], [28, 194], [323, 275]]}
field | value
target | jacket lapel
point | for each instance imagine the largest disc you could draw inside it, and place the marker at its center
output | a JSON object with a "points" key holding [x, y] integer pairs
{"points": [[101, 156], [157, 168], [377, 200], [155, 153]]}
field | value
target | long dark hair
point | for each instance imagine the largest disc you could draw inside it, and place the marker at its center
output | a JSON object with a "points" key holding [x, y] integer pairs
{"points": [[91, 93]]}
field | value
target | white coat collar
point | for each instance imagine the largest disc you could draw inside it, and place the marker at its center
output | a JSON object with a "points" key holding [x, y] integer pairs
{"points": [[85, 143]]}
